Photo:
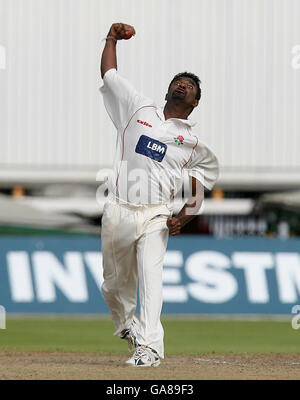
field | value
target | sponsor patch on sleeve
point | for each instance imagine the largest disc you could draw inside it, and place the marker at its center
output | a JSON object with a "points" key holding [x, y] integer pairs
{"points": [[151, 148]]}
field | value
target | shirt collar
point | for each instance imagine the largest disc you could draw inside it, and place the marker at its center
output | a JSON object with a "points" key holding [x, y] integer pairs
{"points": [[160, 113]]}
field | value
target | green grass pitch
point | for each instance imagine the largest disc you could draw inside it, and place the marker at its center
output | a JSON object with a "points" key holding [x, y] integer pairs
{"points": [[182, 336]]}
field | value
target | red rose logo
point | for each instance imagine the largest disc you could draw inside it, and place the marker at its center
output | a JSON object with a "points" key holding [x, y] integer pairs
{"points": [[179, 140]]}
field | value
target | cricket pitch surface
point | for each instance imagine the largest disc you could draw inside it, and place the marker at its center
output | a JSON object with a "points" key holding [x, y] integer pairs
{"points": [[31, 365]]}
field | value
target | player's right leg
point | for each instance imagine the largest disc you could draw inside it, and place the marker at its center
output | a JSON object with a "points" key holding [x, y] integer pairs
{"points": [[119, 265]]}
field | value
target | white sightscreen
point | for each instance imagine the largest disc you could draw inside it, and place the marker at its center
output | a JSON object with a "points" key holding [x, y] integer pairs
{"points": [[246, 52]]}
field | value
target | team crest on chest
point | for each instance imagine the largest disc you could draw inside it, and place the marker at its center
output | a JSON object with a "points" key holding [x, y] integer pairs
{"points": [[179, 140]]}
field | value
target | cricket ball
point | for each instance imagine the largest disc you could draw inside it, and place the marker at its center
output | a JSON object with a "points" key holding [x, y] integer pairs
{"points": [[127, 35]]}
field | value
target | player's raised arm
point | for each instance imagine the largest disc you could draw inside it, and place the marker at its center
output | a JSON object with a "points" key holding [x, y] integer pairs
{"points": [[117, 32]]}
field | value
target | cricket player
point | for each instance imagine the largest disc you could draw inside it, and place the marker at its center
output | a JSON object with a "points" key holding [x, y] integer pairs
{"points": [[154, 146]]}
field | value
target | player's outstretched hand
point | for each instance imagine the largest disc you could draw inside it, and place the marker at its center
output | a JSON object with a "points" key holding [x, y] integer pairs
{"points": [[174, 226], [121, 31]]}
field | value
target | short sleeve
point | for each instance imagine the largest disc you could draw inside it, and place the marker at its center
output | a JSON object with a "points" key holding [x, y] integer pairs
{"points": [[203, 166], [121, 99]]}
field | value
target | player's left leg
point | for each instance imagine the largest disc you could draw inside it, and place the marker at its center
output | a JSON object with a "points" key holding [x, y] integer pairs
{"points": [[151, 248]]}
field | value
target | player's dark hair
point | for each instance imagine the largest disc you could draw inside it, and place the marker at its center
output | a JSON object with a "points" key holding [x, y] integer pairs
{"points": [[191, 76]]}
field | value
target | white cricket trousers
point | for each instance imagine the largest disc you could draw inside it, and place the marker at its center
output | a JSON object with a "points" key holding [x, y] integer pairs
{"points": [[134, 240]]}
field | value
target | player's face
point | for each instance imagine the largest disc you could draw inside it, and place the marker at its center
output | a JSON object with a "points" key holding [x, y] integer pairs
{"points": [[184, 89]]}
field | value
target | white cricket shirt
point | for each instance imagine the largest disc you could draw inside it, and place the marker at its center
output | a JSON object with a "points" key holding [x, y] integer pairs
{"points": [[152, 152]]}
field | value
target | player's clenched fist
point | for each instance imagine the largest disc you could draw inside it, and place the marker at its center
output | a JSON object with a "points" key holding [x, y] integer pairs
{"points": [[121, 31], [174, 226]]}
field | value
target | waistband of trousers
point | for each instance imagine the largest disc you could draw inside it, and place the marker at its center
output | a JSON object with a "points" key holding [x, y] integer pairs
{"points": [[134, 206]]}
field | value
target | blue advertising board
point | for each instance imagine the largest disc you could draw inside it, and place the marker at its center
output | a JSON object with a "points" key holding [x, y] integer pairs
{"points": [[202, 275]]}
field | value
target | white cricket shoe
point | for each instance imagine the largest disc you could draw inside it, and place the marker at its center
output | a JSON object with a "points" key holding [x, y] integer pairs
{"points": [[144, 357], [131, 339], [130, 335]]}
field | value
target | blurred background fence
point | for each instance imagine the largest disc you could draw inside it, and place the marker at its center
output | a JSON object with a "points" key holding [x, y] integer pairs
{"points": [[56, 137]]}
